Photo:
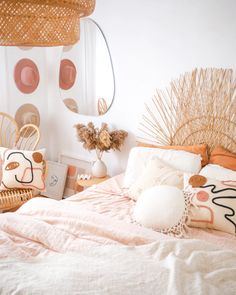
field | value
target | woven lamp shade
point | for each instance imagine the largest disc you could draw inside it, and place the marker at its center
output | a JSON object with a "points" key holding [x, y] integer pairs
{"points": [[42, 22]]}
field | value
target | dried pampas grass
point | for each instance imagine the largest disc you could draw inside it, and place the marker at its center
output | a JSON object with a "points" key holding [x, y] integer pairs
{"points": [[100, 139]]}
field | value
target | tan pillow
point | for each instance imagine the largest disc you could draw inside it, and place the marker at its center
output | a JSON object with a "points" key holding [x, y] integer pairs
{"points": [[156, 173], [200, 149], [223, 157]]}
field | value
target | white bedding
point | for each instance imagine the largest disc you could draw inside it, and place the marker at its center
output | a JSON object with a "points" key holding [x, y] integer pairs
{"points": [[170, 267]]}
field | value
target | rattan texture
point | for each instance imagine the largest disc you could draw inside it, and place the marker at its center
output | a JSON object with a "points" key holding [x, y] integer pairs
{"points": [[27, 138], [102, 106], [14, 198], [9, 130], [199, 107], [42, 22]]}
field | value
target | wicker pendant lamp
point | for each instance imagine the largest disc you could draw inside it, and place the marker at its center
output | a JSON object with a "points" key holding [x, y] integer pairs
{"points": [[42, 22]]}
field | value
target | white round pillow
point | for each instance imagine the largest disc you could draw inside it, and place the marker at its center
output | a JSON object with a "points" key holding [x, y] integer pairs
{"points": [[160, 207]]}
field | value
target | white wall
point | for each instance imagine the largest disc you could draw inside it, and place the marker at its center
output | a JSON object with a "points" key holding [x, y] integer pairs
{"points": [[151, 42]]}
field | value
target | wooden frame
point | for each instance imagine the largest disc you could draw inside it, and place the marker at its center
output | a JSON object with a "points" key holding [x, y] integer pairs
{"points": [[76, 165], [55, 180]]}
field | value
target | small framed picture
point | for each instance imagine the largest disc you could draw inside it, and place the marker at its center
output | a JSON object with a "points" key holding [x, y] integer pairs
{"points": [[55, 180], [76, 166]]}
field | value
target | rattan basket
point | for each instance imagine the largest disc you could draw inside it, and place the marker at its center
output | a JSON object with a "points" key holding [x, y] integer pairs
{"points": [[14, 198], [42, 22]]}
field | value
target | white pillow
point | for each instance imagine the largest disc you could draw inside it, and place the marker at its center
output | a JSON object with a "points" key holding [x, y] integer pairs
{"points": [[139, 157], [162, 208], [156, 173], [218, 172]]}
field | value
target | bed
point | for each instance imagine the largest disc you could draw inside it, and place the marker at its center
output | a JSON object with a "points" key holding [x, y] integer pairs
{"points": [[90, 243]]}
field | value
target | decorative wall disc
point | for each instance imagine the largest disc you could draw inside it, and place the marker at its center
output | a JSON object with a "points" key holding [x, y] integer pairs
{"points": [[27, 114], [26, 76], [71, 104], [67, 74]]}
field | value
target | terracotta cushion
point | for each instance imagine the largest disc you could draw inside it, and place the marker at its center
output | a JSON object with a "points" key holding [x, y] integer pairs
{"points": [[223, 157], [200, 149]]}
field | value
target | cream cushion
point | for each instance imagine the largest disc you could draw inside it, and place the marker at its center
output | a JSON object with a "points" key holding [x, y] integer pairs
{"points": [[218, 172], [140, 156], [156, 173], [213, 203], [22, 169], [161, 208]]}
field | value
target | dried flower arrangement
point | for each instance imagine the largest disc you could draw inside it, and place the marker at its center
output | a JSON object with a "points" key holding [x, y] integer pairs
{"points": [[100, 139]]}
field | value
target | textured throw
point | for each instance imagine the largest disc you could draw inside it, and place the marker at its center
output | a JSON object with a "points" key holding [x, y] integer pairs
{"points": [[89, 244]]}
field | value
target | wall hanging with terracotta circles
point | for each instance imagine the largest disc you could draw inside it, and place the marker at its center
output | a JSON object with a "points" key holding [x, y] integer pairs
{"points": [[26, 75], [67, 74], [27, 114]]}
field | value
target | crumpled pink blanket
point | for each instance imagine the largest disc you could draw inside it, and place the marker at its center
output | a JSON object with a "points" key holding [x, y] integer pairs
{"points": [[45, 225], [98, 216], [89, 244]]}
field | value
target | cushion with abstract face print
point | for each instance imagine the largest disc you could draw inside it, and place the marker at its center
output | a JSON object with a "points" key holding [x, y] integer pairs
{"points": [[213, 203], [22, 169]]}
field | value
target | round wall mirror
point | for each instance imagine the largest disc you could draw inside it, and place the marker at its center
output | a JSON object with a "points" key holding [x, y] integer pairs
{"points": [[86, 81]]}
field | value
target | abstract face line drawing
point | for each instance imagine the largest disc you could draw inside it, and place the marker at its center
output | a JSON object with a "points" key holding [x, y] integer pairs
{"points": [[31, 167], [53, 180], [227, 216]]}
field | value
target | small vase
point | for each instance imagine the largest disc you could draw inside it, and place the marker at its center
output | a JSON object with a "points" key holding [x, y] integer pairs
{"points": [[99, 168]]}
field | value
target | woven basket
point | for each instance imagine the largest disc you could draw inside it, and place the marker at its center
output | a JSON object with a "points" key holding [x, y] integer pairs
{"points": [[13, 198], [42, 22]]}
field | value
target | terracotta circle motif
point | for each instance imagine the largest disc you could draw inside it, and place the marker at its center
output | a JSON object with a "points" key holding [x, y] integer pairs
{"points": [[26, 75], [197, 180], [202, 196], [67, 74]]}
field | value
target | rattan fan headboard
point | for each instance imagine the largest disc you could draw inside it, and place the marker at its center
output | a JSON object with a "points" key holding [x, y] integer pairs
{"points": [[199, 107]]}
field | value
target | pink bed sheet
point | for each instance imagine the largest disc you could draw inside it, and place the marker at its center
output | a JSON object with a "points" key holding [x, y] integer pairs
{"points": [[108, 198]]}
